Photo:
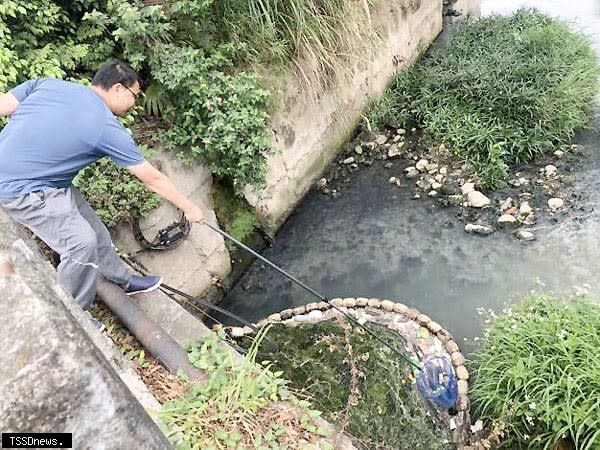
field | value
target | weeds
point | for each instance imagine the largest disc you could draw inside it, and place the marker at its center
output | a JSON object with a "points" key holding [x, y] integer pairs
{"points": [[503, 91], [235, 408], [538, 372]]}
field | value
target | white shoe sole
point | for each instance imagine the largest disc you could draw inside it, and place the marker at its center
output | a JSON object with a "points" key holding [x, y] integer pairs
{"points": [[150, 289]]}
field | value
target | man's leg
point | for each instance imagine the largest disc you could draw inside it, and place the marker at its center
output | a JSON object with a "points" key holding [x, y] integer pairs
{"points": [[110, 265], [54, 217]]}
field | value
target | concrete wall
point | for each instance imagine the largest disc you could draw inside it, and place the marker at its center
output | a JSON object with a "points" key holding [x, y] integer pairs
{"points": [[309, 131], [52, 377]]}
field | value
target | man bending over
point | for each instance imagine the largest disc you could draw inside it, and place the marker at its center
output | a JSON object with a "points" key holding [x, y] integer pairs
{"points": [[57, 128]]}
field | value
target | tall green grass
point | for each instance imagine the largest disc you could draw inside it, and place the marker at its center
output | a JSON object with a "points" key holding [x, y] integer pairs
{"points": [[316, 37], [504, 90], [538, 372]]}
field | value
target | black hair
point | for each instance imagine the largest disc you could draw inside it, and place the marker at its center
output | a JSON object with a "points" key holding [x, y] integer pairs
{"points": [[114, 72]]}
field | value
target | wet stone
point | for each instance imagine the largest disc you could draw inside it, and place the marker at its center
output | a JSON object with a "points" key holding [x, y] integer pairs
{"points": [[286, 314], [387, 305], [457, 358], [274, 317], [312, 307], [423, 319], [400, 308], [374, 303], [412, 313], [299, 310], [463, 387], [362, 302], [349, 302], [452, 347], [462, 373]]}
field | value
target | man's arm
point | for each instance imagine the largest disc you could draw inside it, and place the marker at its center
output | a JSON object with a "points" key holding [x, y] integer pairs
{"points": [[161, 184], [8, 104]]}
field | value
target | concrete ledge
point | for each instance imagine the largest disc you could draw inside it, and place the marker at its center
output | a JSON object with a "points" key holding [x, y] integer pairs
{"points": [[52, 376]]}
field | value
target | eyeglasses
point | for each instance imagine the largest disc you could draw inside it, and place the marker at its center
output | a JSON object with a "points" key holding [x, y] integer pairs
{"points": [[135, 96]]}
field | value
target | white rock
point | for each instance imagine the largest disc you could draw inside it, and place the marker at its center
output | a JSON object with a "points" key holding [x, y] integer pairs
{"points": [[358, 150], [435, 185], [467, 187], [401, 131], [556, 203], [411, 172], [559, 153], [381, 139], [424, 184], [433, 193], [478, 229], [349, 160], [477, 200], [322, 182], [443, 170], [550, 170], [431, 167], [394, 150], [525, 209], [422, 164], [507, 219], [439, 178], [478, 426], [506, 204], [525, 235]]}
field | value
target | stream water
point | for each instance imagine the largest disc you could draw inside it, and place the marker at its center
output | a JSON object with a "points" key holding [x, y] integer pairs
{"points": [[375, 241]]}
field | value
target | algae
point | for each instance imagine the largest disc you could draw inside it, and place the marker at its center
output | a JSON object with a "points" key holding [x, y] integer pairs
{"points": [[358, 383]]}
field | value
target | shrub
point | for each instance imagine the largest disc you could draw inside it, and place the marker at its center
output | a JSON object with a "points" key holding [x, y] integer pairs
{"points": [[538, 371], [215, 110], [503, 91], [114, 193], [234, 407]]}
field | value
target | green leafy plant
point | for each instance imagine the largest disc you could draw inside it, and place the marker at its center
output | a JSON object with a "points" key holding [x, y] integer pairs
{"points": [[215, 111], [114, 193], [503, 91], [538, 374], [234, 407]]}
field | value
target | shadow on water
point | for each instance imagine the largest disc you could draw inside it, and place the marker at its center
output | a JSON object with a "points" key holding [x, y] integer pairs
{"points": [[375, 241]]}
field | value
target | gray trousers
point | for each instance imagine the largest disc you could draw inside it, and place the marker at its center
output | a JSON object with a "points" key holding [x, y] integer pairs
{"points": [[65, 221]]}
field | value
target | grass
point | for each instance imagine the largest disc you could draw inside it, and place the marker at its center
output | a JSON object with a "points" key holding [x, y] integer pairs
{"points": [[317, 37], [237, 407], [504, 90], [538, 373]]}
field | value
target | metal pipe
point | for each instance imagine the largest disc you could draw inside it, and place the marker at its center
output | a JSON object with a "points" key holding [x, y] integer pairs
{"points": [[153, 337]]}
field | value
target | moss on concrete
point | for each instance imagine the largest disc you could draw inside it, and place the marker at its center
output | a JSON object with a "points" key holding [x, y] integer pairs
{"points": [[358, 383]]}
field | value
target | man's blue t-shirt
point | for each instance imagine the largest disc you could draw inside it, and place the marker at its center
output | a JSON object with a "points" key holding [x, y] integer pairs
{"points": [[58, 129]]}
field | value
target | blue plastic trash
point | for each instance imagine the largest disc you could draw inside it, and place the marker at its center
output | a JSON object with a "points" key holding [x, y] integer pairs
{"points": [[437, 381]]}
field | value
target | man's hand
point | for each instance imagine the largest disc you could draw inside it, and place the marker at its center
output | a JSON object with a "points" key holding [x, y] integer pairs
{"points": [[194, 214], [161, 184]]}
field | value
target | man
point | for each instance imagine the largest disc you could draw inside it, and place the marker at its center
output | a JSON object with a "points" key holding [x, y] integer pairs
{"points": [[56, 129]]}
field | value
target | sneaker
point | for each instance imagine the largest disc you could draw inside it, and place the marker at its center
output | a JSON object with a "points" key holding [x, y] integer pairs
{"points": [[138, 284], [98, 324]]}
